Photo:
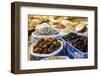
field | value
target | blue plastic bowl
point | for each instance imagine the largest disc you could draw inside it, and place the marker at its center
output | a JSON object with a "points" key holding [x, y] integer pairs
{"points": [[74, 53]]}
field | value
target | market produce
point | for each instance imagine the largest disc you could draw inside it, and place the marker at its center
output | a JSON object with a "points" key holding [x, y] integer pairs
{"points": [[50, 37], [33, 22], [70, 36], [46, 46], [59, 26], [45, 31], [81, 43], [66, 30], [56, 19], [81, 28]]}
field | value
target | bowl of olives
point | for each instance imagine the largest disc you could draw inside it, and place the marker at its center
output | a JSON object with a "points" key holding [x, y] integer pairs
{"points": [[78, 48], [77, 45]]}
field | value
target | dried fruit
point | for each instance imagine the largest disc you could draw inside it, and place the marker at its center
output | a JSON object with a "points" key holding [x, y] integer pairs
{"points": [[46, 46]]}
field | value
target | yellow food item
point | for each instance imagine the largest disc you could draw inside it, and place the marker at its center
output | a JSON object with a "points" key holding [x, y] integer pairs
{"points": [[68, 22], [43, 18], [33, 21], [80, 26], [58, 17], [84, 22], [55, 19]]}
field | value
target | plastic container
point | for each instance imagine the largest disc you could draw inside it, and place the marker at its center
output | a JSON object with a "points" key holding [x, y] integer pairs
{"points": [[74, 53]]}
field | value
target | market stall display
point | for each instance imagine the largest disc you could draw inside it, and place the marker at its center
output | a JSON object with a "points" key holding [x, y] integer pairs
{"points": [[58, 37]]}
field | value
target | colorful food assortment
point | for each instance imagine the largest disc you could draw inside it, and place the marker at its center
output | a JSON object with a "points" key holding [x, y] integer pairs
{"points": [[44, 32], [64, 24], [34, 21], [46, 46]]}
